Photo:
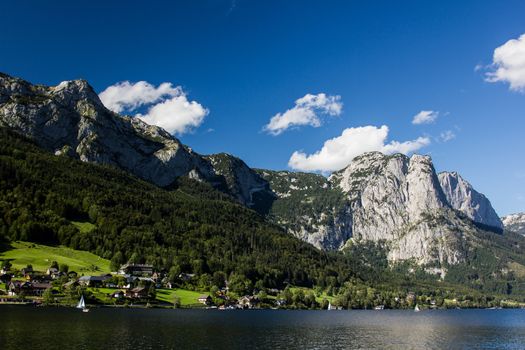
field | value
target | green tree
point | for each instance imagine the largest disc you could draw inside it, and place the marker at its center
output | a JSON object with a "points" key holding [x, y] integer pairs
{"points": [[116, 261], [47, 297]]}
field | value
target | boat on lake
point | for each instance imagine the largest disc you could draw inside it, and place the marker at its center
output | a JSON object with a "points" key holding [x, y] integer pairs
{"points": [[82, 304]]}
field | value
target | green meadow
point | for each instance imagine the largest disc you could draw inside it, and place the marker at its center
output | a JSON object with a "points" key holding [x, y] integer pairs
{"points": [[40, 257], [187, 297]]}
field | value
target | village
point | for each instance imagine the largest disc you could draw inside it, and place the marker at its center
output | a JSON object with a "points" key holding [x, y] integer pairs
{"points": [[133, 285]]}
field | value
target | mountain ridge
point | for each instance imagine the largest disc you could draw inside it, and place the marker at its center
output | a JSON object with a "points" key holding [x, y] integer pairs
{"points": [[377, 197]]}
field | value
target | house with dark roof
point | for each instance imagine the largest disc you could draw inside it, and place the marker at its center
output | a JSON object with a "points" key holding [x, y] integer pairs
{"points": [[205, 299], [16, 288], [136, 270], [93, 281], [137, 293]]}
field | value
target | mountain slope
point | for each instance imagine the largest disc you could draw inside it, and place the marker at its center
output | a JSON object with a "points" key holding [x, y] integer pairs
{"points": [[515, 223], [308, 207], [376, 208], [192, 228], [242, 182], [378, 198], [70, 119]]}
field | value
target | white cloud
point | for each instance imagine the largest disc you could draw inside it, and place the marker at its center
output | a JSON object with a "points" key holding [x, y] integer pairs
{"points": [[177, 115], [338, 152], [127, 96], [307, 111], [168, 106], [508, 63], [446, 136], [425, 117]]}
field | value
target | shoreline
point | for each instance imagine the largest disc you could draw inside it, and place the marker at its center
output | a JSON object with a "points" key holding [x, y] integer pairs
{"points": [[40, 305]]}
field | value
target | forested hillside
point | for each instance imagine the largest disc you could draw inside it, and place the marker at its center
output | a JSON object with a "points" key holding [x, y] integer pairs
{"points": [[190, 228], [193, 228]]}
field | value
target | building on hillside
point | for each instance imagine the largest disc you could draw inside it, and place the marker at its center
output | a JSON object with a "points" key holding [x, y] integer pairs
{"points": [[119, 294], [93, 281], [39, 288], [27, 272], [51, 270], [136, 270], [205, 299], [248, 302], [17, 288], [137, 293], [70, 284]]}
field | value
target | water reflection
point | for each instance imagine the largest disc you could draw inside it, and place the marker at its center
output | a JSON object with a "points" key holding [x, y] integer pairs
{"points": [[197, 329]]}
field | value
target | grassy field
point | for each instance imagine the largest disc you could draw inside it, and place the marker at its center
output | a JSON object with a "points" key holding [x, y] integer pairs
{"points": [[84, 227], [319, 298], [187, 297], [41, 256]]}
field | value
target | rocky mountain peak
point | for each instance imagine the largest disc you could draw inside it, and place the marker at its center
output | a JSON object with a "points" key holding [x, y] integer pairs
{"points": [[75, 90], [424, 191], [463, 197]]}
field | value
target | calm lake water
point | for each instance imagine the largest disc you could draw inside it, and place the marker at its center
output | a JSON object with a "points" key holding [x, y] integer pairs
{"points": [[61, 328]]}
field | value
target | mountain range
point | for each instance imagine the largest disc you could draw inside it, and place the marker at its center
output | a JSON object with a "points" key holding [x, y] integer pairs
{"points": [[396, 201]]}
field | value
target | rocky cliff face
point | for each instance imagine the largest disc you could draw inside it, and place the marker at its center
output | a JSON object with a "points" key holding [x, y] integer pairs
{"points": [[515, 223], [461, 196], [392, 199], [70, 119], [242, 182], [398, 200]]}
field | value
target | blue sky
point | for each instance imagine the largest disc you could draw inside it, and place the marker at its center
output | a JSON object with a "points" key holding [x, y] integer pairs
{"points": [[246, 61]]}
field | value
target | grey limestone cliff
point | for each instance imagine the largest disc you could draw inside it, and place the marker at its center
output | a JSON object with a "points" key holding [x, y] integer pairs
{"points": [[463, 197]]}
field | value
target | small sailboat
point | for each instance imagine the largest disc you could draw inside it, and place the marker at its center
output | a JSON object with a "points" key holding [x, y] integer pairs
{"points": [[330, 307], [82, 304], [416, 309]]}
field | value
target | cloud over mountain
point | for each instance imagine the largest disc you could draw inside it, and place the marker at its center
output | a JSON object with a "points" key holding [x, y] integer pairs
{"points": [[338, 152], [167, 106], [308, 110]]}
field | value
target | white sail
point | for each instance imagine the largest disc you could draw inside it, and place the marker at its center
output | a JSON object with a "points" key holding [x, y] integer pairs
{"points": [[416, 309], [81, 304]]}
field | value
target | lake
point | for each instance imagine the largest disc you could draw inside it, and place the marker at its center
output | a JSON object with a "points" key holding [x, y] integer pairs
{"points": [[105, 328]]}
